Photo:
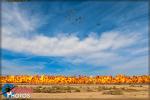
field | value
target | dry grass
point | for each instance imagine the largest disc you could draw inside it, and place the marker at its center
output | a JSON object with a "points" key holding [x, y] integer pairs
{"points": [[113, 92], [55, 89], [72, 89]]}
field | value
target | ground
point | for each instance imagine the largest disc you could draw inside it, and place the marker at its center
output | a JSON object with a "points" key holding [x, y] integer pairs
{"points": [[90, 92]]}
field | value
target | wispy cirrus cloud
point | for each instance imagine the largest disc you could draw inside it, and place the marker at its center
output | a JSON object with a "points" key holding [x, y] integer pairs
{"points": [[19, 22]]}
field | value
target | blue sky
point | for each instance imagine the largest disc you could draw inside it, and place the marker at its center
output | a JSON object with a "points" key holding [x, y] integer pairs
{"points": [[75, 38]]}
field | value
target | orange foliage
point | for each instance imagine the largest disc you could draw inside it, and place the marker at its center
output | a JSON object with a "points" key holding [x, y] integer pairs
{"points": [[46, 79]]}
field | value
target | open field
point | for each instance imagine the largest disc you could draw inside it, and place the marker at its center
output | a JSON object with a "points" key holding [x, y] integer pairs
{"points": [[91, 92]]}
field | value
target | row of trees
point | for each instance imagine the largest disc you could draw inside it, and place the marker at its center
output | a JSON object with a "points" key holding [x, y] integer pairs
{"points": [[46, 79]]}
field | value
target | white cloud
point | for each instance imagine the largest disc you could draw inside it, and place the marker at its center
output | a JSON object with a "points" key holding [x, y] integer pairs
{"points": [[67, 46], [95, 51]]}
